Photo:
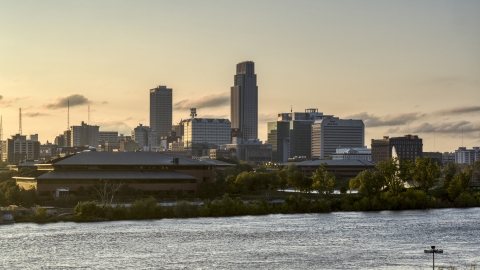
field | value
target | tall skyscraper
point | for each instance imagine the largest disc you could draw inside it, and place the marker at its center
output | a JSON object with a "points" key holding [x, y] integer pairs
{"points": [[244, 101], [161, 110]]}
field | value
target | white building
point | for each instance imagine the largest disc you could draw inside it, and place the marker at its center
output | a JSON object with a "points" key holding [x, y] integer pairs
{"points": [[331, 133], [206, 131], [467, 156]]}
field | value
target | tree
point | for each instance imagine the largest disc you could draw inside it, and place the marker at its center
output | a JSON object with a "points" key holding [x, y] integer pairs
{"points": [[106, 190], [368, 183], [459, 184], [406, 170], [323, 181], [389, 169], [448, 171], [426, 172]]}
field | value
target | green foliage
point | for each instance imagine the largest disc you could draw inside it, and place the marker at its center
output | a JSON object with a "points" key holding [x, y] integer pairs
{"points": [[146, 209], [389, 169], [323, 181], [459, 184], [466, 200], [426, 172], [369, 183]]}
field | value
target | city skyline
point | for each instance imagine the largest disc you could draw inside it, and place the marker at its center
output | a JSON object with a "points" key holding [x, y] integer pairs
{"points": [[403, 68]]}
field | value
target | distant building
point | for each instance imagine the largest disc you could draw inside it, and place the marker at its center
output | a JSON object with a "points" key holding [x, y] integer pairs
{"points": [[250, 150], [435, 157], [244, 100], [85, 135], [340, 168], [147, 139], [448, 157], [291, 134], [357, 153], [467, 156], [210, 131], [107, 136], [48, 152], [128, 145], [60, 140], [407, 147], [19, 149], [161, 110], [330, 133]]}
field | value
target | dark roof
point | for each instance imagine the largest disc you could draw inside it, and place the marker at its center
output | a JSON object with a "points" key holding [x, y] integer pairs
{"points": [[31, 174], [214, 162], [126, 158], [69, 175], [343, 162]]}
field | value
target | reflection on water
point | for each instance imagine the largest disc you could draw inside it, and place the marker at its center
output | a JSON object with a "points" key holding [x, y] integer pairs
{"points": [[347, 240]]}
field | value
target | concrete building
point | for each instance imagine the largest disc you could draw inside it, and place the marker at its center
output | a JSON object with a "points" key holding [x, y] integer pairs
{"points": [[48, 152], [357, 153], [147, 139], [291, 135], [161, 110], [209, 131], [249, 150], [107, 136], [448, 157], [244, 101], [330, 133], [467, 156], [18, 149], [84, 135], [435, 157], [60, 140], [128, 145], [407, 147]]}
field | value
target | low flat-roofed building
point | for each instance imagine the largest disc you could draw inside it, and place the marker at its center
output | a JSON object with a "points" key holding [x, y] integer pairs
{"points": [[151, 172], [341, 168]]}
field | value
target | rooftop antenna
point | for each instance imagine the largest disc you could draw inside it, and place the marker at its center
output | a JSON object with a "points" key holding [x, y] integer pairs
{"points": [[20, 121], [193, 112], [1, 128], [68, 114], [291, 109], [89, 114], [434, 141]]}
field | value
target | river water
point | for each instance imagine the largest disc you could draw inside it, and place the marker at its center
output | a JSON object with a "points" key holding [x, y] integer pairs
{"points": [[342, 240]]}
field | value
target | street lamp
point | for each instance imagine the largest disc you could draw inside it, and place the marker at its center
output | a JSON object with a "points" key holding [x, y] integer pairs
{"points": [[433, 251]]}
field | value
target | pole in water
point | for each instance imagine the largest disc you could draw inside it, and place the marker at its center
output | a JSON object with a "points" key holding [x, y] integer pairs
{"points": [[433, 251]]}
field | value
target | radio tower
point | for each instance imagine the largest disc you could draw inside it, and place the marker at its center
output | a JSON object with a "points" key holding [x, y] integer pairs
{"points": [[1, 128], [20, 122], [89, 114], [68, 114]]}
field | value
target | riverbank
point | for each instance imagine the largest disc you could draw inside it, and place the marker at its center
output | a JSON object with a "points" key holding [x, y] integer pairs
{"points": [[227, 206]]}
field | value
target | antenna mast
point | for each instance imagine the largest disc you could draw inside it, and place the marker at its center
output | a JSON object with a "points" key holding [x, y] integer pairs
{"points": [[68, 114], [1, 128], [193, 112], [89, 114], [20, 120]]}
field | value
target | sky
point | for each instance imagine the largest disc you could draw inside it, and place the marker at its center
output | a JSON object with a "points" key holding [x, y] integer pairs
{"points": [[403, 67]]}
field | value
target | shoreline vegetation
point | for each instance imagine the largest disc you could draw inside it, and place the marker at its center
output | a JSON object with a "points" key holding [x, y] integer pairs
{"points": [[239, 191]]}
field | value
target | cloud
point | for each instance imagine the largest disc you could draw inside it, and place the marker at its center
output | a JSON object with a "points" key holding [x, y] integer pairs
{"points": [[372, 120], [119, 125], [267, 117], [105, 102], [458, 110], [207, 101], [62, 102], [1, 97], [469, 129], [34, 114]]}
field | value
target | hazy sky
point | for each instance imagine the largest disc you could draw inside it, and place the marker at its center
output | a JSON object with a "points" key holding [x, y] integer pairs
{"points": [[401, 66]]}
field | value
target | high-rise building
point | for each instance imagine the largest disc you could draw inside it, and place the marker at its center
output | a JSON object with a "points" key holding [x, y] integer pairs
{"points": [[331, 133], [18, 149], [291, 137], [407, 147], [244, 101], [84, 135], [147, 139], [467, 156], [161, 110], [210, 131]]}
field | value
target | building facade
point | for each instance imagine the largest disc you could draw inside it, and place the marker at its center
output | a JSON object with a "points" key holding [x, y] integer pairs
{"points": [[84, 135], [206, 131], [249, 150], [18, 149], [244, 101], [467, 156], [147, 139], [161, 110], [330, 133], [359, 153], [407, 147]]}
